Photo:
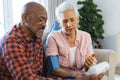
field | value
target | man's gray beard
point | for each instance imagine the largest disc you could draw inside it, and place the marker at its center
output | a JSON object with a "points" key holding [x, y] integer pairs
{"points": [[38, 36]]}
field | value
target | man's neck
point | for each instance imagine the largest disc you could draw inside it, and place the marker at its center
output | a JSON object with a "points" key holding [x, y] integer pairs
{"points": [[29, 32]]}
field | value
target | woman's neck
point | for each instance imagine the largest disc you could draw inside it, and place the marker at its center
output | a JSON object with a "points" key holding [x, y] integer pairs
{"points": [[72, 38]]}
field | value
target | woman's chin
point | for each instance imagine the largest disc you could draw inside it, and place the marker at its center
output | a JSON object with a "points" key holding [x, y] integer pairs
{"points": [[67, 33]]}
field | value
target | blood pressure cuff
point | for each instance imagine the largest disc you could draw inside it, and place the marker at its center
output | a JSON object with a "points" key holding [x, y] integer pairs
{"points": [[52, 63]]}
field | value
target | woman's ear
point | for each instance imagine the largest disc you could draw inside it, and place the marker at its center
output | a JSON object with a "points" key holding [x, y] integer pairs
{"points": [[58, 21], [78, 19]]}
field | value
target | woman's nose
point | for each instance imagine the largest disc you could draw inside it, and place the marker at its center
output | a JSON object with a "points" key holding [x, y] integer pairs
{"points": [[69, 24]]}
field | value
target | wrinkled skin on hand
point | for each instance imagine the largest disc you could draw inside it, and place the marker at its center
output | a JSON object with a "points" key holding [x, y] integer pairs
{"points": [[89, 61]]}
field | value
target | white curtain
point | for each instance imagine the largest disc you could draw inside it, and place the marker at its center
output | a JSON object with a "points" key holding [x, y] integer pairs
{"points": [[50, 6]]}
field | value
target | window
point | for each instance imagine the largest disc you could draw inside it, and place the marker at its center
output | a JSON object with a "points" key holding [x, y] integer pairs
{"points": [[2, 28], [17, 7], [10, 13]]}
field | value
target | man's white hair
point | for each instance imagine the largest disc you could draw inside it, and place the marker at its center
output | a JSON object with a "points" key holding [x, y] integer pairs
{"points": [[64, 7]]}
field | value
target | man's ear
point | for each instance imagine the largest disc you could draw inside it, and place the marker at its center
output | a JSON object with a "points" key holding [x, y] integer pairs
{"points": [[24, 18]]}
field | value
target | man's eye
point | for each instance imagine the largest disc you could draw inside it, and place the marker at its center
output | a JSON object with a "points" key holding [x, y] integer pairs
{"points": [[40, 19]]}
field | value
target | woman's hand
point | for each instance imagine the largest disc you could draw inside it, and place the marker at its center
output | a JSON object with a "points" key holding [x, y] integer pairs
{"points": [[89, 61]]}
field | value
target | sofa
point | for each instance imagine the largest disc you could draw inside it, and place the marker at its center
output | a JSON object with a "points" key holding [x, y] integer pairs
{"points": [[101, 55], [109, 56], [113, 42], [117, 71]]}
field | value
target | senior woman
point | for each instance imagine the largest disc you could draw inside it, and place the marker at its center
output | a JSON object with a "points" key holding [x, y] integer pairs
{"points": [[69, 50]]}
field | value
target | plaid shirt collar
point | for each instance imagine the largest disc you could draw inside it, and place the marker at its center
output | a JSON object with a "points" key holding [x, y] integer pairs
{"points": [[25, 35]]}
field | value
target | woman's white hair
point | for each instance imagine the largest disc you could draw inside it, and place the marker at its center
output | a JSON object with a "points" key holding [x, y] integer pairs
{"points": [[64, 7]]}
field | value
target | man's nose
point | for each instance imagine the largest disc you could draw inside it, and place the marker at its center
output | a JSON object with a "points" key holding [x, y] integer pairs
{"points": [[44, 23]]}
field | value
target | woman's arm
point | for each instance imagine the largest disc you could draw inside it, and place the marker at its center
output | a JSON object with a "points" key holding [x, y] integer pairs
{"points": [[55, 69]]}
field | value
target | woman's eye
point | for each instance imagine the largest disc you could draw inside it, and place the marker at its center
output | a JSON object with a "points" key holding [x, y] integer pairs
{"points": [[72, 19], [64, 21]]}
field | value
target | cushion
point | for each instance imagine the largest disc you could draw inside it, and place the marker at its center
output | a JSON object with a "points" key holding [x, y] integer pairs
{"points": [[55, 26]]}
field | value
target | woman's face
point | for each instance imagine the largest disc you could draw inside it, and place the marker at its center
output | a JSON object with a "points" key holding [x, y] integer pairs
{"points": [[69, 21]]}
